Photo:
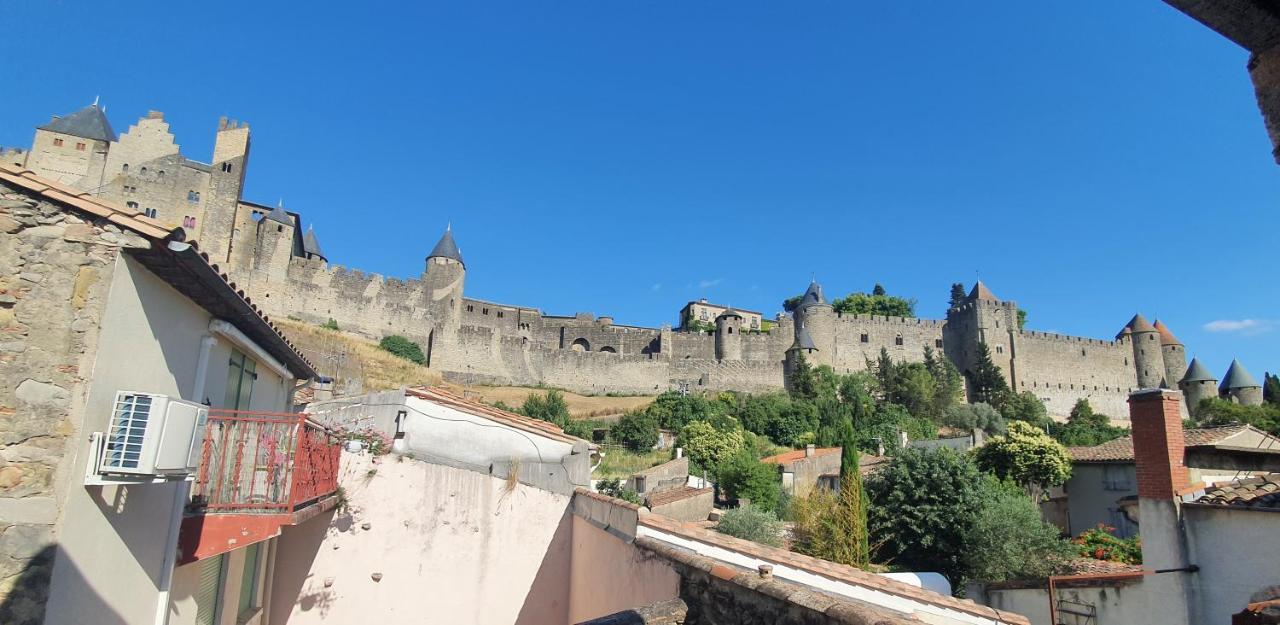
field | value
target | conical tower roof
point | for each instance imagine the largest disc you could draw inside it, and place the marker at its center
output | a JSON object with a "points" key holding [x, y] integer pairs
{"points": [[729, 312], [1238, 377], [310, 244], [812, 296], [981, 292], [803, 340], [278, 214], [1140, 324], [446, 248], [1197, 372], [89, 122], [1166, 337]]}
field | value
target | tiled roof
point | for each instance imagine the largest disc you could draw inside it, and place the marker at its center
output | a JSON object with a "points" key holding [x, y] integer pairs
{"points": [[1258, 493], [1140, 324], [225, 300], [792, 456], [89, 122], [713, 305], [1166, 337], [729, 312], [1121, 449], [472, 407], [1238, 377], [673, 495], [1091, 566], [981, 292]]}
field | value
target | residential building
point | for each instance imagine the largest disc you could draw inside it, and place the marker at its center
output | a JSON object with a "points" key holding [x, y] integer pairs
{"points": [[804, 470], [705, 313], [107, 315]]}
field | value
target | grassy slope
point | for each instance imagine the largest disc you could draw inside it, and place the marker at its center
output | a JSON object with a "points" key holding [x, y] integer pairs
{"points": [[348, 358]]}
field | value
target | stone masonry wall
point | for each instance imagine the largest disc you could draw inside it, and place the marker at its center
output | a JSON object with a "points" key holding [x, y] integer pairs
{"points": [[55, 269]]}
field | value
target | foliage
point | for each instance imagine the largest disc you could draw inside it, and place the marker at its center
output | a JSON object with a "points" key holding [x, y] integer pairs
{"points": [[957, 295], [791, 303], [743, 476], [614, 487], [971, 416], [1009, 540], [403, 348], [1215, 411], [708, 446], [987, 382], [331, 324], [753, 524], [550, 407], [1270, 389], [623, 464], [1027, 456], [1085, 428], [584, 428], [1026, 407], [636, 431], [922, 508], [878, 302], [1100, 543], [674, 410], [698, 325], [833, 526], [802, 379], [1022, 319], [375, 442], [924, 389]]}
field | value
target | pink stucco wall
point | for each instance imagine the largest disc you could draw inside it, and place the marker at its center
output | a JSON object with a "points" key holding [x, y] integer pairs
{"points": [[610, 575]]}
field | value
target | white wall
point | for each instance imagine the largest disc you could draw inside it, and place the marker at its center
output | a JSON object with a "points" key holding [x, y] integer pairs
{"points": [[1115, 605], [186, 583], [1238, 552], [452, 545]]}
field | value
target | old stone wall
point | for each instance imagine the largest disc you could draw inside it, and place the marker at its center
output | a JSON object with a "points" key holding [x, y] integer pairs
{"points": [[55, 271], [1063, 369], [860, 338]]}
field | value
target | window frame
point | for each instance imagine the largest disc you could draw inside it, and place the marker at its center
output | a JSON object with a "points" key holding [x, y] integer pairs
{"points": [[239, 367]]}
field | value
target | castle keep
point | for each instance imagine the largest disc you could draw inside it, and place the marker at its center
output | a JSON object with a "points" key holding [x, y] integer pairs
{"points": [[282, 267]]}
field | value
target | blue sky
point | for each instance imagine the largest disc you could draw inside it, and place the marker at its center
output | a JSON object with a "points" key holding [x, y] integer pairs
{"points": [[1089, 159]]}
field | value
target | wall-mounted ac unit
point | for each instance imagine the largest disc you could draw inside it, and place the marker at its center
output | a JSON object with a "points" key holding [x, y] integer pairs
{"points": [[152, 435]]}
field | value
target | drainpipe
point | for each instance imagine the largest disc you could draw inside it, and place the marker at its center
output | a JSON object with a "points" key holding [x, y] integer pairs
{"points": [[181, 494]]}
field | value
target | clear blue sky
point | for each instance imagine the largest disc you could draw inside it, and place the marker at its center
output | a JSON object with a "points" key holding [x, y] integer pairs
{"points": [[1090, 159]]}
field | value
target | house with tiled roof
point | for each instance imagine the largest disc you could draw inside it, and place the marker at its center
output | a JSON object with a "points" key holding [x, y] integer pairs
{"points": [[1104, 478], [804, 470]]}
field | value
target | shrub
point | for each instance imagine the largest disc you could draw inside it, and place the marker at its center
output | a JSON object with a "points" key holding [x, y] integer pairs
{"points": [[331, 324], [833, 526], [1027, 456], [636, 431], [743, 476], [402, 347], [971, 416], [709, 446], [550, 407], [1009, 540], [1100, 544], [753, 524], [613, 487]]}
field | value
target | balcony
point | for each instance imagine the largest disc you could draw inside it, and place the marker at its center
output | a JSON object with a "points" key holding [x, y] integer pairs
{"points": [[258, 473]]}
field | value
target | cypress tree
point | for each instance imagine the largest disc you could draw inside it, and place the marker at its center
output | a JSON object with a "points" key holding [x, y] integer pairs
{"points": [[957, 294], [989, 385]]}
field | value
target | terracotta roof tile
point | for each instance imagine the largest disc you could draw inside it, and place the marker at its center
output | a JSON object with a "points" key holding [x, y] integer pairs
{"points": [[673, 495], [1091, 566], [1121, 449], [798, 454], [1258, 493], [1166, 337]]}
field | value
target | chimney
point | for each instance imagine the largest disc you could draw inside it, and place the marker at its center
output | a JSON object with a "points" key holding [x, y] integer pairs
{"points": [[808, 450], [1158, 445], [679, 452]]}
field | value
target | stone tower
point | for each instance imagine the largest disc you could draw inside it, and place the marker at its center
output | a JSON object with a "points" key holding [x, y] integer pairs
{"points": [[1148, 356], [1240, 387], [443, 279], [230, 160], [816, 319], [982, 318], [274, 240], [802, 347], [73, 149], [1197, 384], [729, 335], [1174, 355]]}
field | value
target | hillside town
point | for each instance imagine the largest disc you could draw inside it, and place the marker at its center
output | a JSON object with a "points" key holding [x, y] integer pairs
{"points": [[204, 420]]}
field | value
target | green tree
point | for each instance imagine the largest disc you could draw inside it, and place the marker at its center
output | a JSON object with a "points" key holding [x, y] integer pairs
{"points": [[922, 508], [1026, 456], [833, 526], [698, 325], [791, 303], [637, 431], [878, 289], [1085, 428], [402, 347], [1009, 541], [1270, 389], [614, 487], [743, 476], [753, 524], [957, 295], [674, 410], [872, 304], [987, 382], [331, 324], [550, 407], [1025, 406], [709, 446], [1215, 411], [970, 416], [802, 380], [1022, 319], [948, 384]]}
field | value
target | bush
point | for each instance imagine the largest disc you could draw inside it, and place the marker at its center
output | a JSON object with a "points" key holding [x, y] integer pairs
{"points": [[1085, 428], [743, 476], [753, 524], [971, 416], [708, 446], [331, 324], [1009, 540], [1027, 456], [550, 407], [636, 431], [613, 487], [832, 526], [402, 347], [1100, 544], [1215, 411]]}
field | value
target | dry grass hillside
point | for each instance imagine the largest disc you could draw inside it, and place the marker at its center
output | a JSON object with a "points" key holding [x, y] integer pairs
{"points": [[358, 365]]}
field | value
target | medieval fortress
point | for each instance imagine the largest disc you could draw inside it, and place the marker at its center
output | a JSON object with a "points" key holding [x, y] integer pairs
{"points": [[281, 266]]}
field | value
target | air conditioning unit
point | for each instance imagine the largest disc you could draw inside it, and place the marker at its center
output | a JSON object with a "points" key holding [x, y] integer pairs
{"points": [[153, 435]]}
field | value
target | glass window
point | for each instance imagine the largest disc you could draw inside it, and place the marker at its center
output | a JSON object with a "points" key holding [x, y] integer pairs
{"points": [[1115, 477], [240, 376], [249, 579]]}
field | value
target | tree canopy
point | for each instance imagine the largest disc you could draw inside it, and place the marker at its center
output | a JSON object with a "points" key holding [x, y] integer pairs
{"points": [[1085, 428], [1027, 456]]}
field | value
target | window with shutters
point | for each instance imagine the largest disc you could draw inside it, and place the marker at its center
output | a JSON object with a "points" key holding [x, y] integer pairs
{"points": [[243, 371], [209, 594], [249, 581]]}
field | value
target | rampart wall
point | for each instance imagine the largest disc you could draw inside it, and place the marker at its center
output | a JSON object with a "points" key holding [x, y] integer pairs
{"points": [[859, 338], [1063, 369]]}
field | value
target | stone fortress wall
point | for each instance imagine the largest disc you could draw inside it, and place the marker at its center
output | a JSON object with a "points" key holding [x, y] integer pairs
{"points": [[477, 341]]}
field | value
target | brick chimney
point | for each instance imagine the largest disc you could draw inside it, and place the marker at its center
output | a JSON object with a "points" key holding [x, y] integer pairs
{"points": [[1158, 445], [808, 450]]}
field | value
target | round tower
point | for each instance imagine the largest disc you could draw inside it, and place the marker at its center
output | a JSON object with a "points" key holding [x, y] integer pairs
{"points": [[1240, 387], [817, 319], [803, 347], [1148, 359], [729, 335], [442, 279], [1174, 355], [1197, 384]]}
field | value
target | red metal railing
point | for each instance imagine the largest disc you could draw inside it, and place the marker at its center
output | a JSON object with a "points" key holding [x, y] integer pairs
{"points": [[262, 462]]}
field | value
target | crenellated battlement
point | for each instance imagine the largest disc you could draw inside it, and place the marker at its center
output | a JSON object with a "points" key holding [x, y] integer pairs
{"points": [[1064, 338], [889, 320]]}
